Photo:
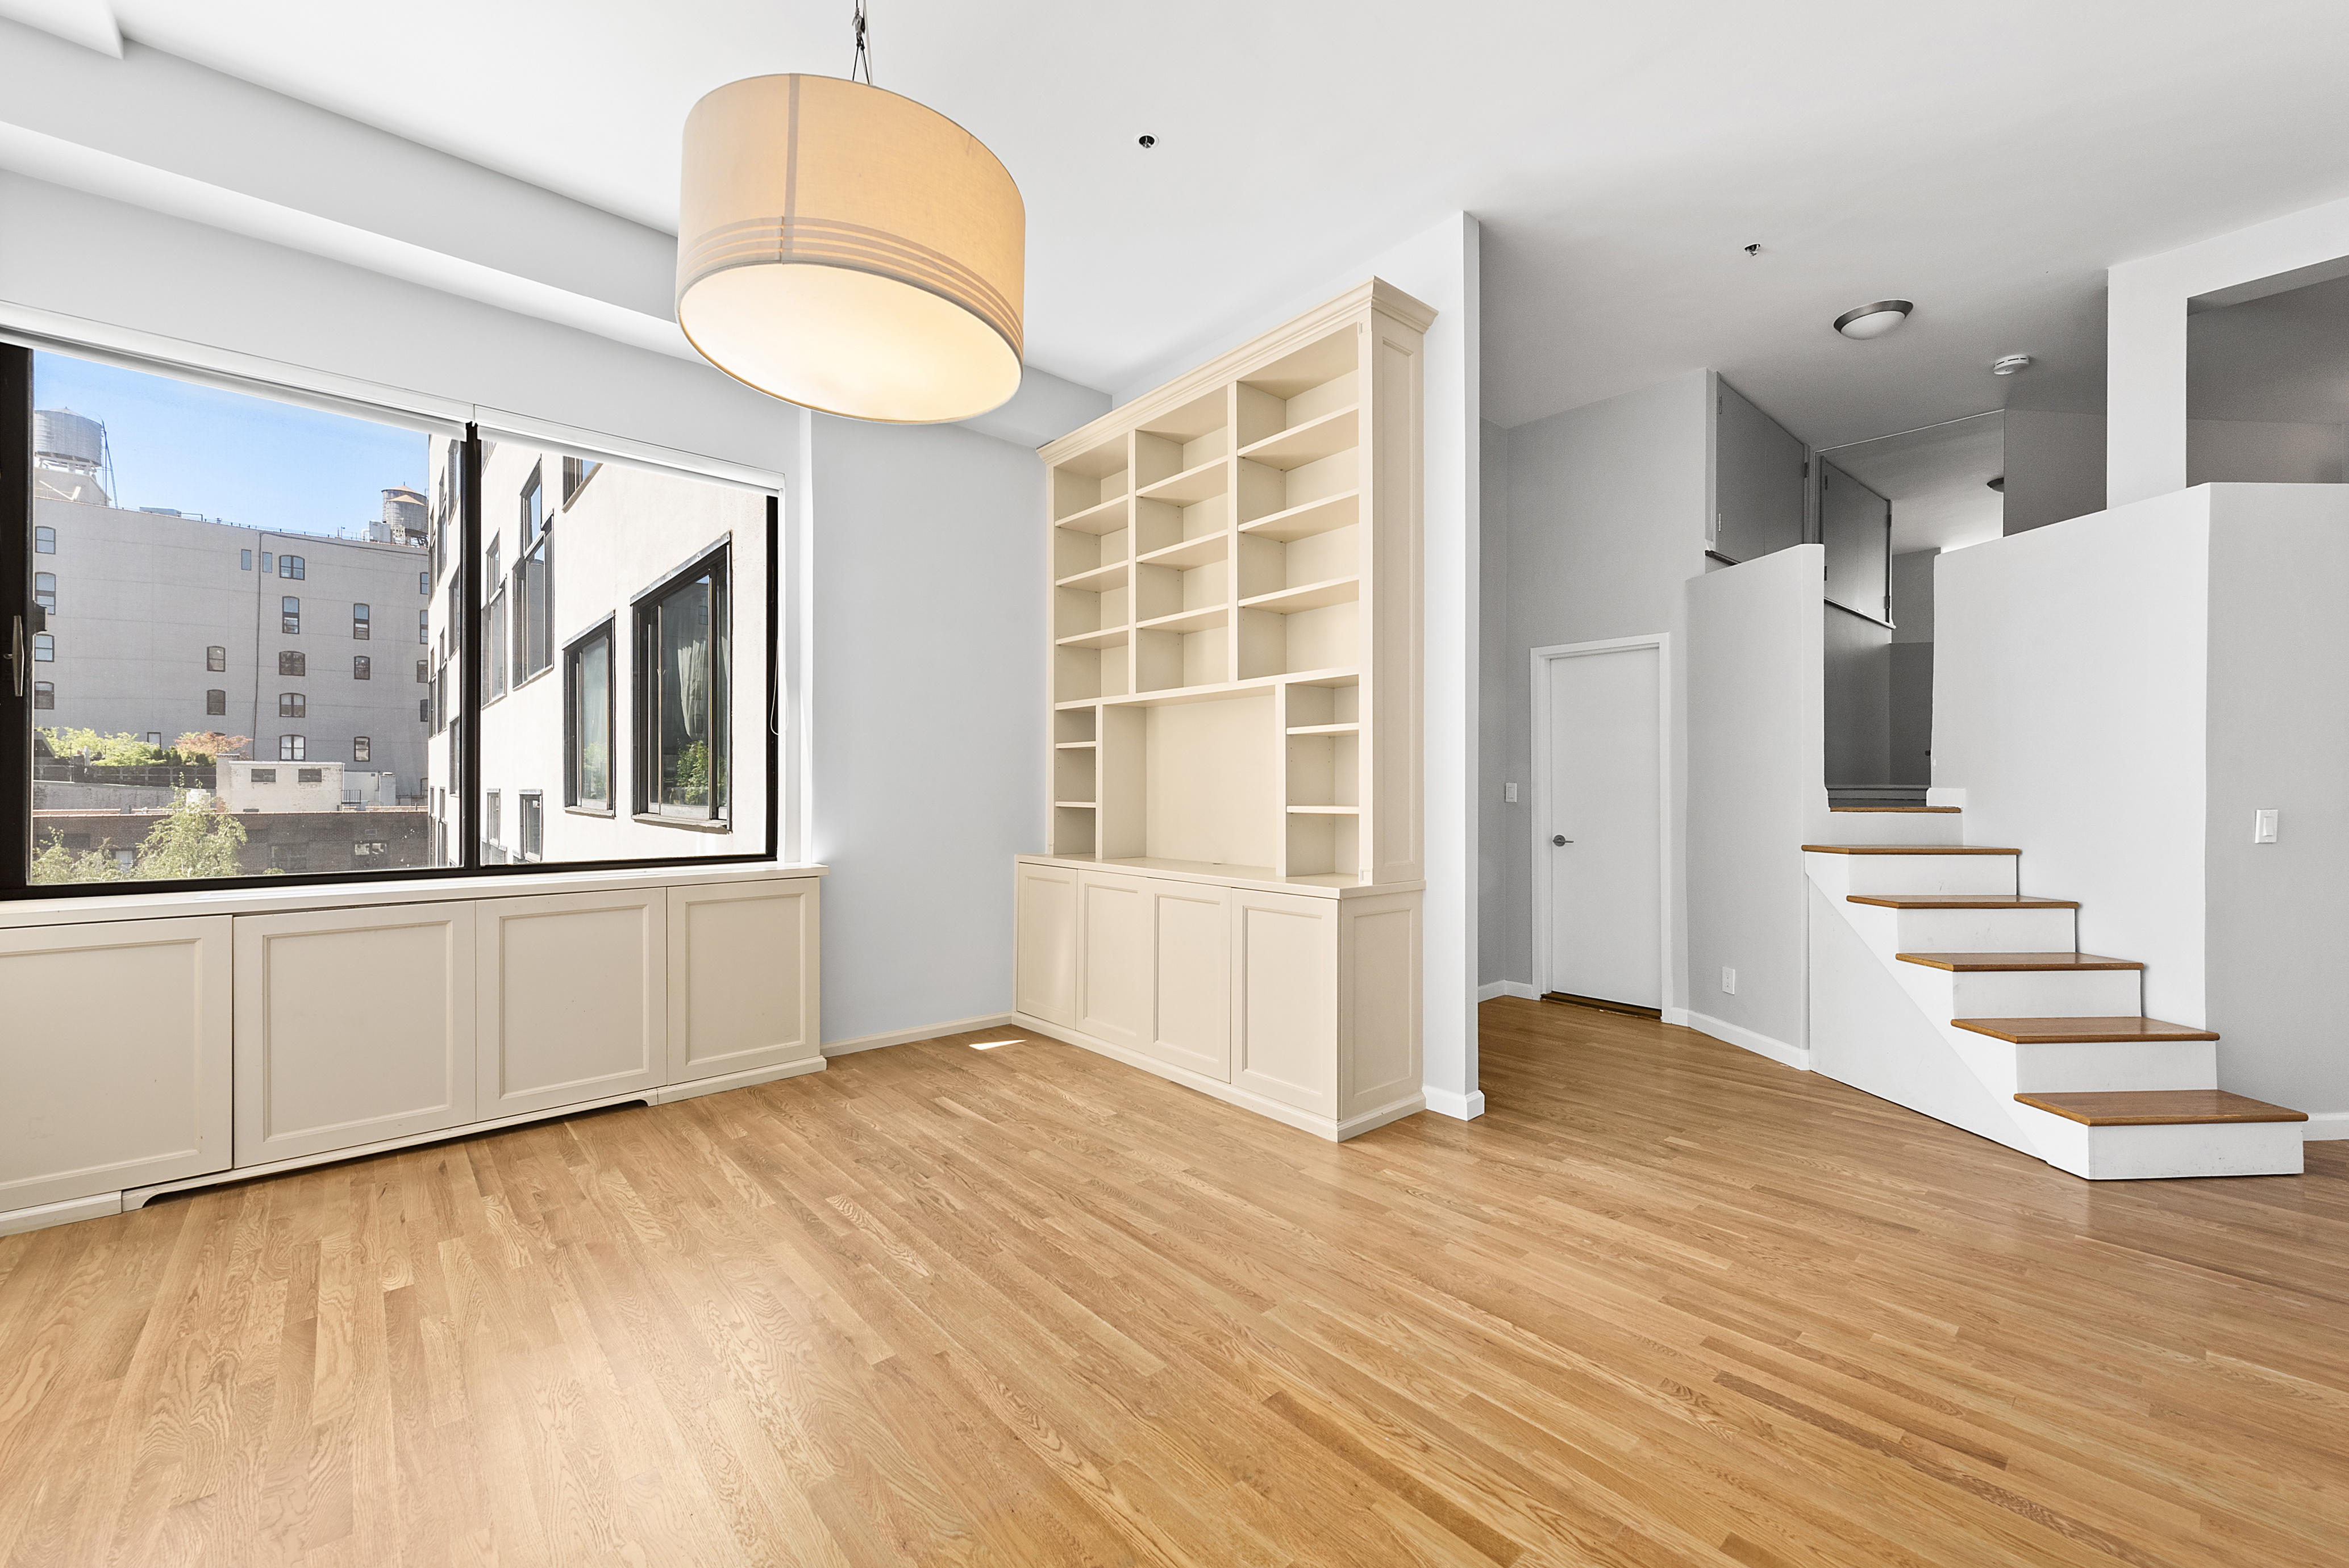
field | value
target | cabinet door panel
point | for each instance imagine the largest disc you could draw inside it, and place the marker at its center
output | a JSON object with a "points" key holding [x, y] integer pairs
{"points": [[1044, 981], [573, 1001], [1192, 985], [352, 1027], [1113, 959], [114, 1065], [1378, 1005], [743, 972], [1284, 998]]}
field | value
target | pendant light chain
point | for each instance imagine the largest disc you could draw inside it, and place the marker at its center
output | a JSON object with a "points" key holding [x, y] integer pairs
{"points": [[863, 58]]}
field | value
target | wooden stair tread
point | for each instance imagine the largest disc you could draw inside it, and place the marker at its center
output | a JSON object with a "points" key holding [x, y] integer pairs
{"points": [[2160, 1108], [1936, 810], [2016, 963], [2066, 1031], [1905, 849], [1959, 900]]}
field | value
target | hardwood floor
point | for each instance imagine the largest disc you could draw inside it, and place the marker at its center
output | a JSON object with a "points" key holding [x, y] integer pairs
{"points": [[1666, 1303]]}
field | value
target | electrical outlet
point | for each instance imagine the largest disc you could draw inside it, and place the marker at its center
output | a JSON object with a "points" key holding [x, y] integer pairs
{"points": [[2264, 827], [1509, 794], [1729, 981]]}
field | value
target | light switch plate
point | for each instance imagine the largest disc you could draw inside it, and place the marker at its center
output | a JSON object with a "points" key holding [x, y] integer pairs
{"points": [[2264, 827], [1729, 981], [1509, 794]]}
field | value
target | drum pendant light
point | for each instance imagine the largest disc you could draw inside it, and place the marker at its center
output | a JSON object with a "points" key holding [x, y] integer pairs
{"points": [[849, 250]]}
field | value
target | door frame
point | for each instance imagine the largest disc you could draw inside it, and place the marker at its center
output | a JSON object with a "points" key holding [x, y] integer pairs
{"points": [[1545, 661]]}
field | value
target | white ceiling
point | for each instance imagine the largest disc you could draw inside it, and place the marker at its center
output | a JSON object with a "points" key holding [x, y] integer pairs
{"points": [[1987, 159], [1938, 481]]}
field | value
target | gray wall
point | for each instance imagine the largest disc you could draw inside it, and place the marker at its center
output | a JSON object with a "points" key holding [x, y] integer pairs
{"points": [[1607, 506], [1754, 787], [2054, 467], [1857, 663], [1912, 667], [1501, 827], [2279, 736]]}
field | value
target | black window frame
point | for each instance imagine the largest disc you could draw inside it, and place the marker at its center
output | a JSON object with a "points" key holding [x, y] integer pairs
{"points": [[362, 748], [289, 615], [293, 661], [216, 659], [44, 689], [362, 667], [644, 661], [293, 705], [216, 702], [301, 572], [457, 565], [46, 598], [362, 624], [293, 747], [574, 800]]}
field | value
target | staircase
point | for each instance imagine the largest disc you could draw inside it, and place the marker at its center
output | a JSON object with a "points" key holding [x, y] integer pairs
{"points": [[1937, 984]]}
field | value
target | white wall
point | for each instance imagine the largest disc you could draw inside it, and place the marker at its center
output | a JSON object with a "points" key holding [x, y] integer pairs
{"points": [[2250, 451], [2070, 689], [2279, 737], [1754, 792], [1439, 266], [929, 776], [1502, 871], [2054, 467], [1606, 524]]}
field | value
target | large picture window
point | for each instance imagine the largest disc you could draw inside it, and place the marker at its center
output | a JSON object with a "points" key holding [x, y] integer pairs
{"points": [[654, 742]]}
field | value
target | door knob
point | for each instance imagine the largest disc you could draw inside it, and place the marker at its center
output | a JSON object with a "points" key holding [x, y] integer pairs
{"points": [[1559, 839]]}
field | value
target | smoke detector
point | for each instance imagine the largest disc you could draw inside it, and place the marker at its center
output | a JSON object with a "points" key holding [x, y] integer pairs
{"points": [[2008, 363], [1874, 320]]}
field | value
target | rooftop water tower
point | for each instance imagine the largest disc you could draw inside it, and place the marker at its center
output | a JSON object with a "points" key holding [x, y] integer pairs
{"points": [[65, 440]]}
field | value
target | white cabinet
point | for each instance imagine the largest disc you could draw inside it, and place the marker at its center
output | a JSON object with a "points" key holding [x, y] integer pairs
{"points": [[574, 999], [1302, 1005], [353, 1026], [1044, 965], [114, 1057], [742, 978]]}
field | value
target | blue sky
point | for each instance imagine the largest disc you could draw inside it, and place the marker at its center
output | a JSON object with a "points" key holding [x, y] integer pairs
{"points": [[245, 460]]}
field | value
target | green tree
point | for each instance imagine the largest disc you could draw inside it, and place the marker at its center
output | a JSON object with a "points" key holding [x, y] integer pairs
{"points": [[199, 837], [57, 863], [124, 750]]}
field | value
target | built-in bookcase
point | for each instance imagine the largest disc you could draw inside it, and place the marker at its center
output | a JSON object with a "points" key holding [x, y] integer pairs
{"points": [[1236, 611]]}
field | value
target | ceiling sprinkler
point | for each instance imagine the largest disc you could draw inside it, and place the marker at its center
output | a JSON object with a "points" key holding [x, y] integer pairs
{"points": [[2008, 363]]}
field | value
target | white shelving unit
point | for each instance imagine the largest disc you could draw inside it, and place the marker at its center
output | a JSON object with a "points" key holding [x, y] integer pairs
{"points": [[1236, 627]]}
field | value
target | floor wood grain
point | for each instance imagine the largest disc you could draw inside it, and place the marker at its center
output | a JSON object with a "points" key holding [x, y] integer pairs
{"points": [[1667, 1303]]}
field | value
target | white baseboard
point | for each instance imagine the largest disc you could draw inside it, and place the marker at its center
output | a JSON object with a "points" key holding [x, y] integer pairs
{"points": [[2324, 1124], [1486, 992], [1678, 1015], [1939, 797], [1458, 1106], [693, 1088], [16, 1221], [906, 1037], [1761, 1045]]}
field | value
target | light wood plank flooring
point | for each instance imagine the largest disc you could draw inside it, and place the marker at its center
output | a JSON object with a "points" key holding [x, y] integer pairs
{"points": [[1667, 1303]]}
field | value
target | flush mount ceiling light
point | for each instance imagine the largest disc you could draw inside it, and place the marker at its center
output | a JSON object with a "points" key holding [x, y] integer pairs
{"points": [[2008, 363], [850, 249], [1874, 320]]}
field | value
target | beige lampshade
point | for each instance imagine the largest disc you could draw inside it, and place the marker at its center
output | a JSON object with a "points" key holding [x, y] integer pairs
{"points": [[849, 250]]}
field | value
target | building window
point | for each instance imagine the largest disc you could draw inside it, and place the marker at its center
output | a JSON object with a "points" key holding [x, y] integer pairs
{"points": [[290, 663], [492, 827], [290, 748], [292, 567], [360, 630], [424, 583], [360, 748], [45, 591], [533, 609], [289, 615], [215, 657], [423, 673], [362, 668], [245, 560], [268, 562], [155, 738], [45, 542], [309, 776], [291, 705], [216, 704], [575, 472], [44, 649], [681, 694], [263, 776], [370, 849], [45, 694], [533, 825], [294, 857], [424, 710], [424, 626], [493, 659], [533, 507], [587, 721]]}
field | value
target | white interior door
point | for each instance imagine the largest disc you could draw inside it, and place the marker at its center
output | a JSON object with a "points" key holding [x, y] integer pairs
{"points": [[1600, 827]]}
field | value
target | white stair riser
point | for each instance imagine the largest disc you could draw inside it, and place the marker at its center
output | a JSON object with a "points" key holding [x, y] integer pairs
{"points": [[2111, 1066], [1929, 873], [2142, 1153], [2038, 994], [1895, 828], [1980, 930]]}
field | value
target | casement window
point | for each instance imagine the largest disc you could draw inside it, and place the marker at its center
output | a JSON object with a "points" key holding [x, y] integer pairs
{"points": [[663, 702], [587, 721], [682, 707]]}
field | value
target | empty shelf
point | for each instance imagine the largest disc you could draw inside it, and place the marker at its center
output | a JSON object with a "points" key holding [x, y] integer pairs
{"points": [[1307, 443], [1190, 553], [1106, 518], [1078, 744], [1100, 580], [1205, 620], [1107, 637], [1209, 478], [1325, 729], [1310, 596], [1327, 811], [1313, 517], [1074, 805]]}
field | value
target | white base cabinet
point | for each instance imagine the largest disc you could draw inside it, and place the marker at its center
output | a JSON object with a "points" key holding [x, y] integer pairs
{"points": [[1304, 1007], [146, 1054]]}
